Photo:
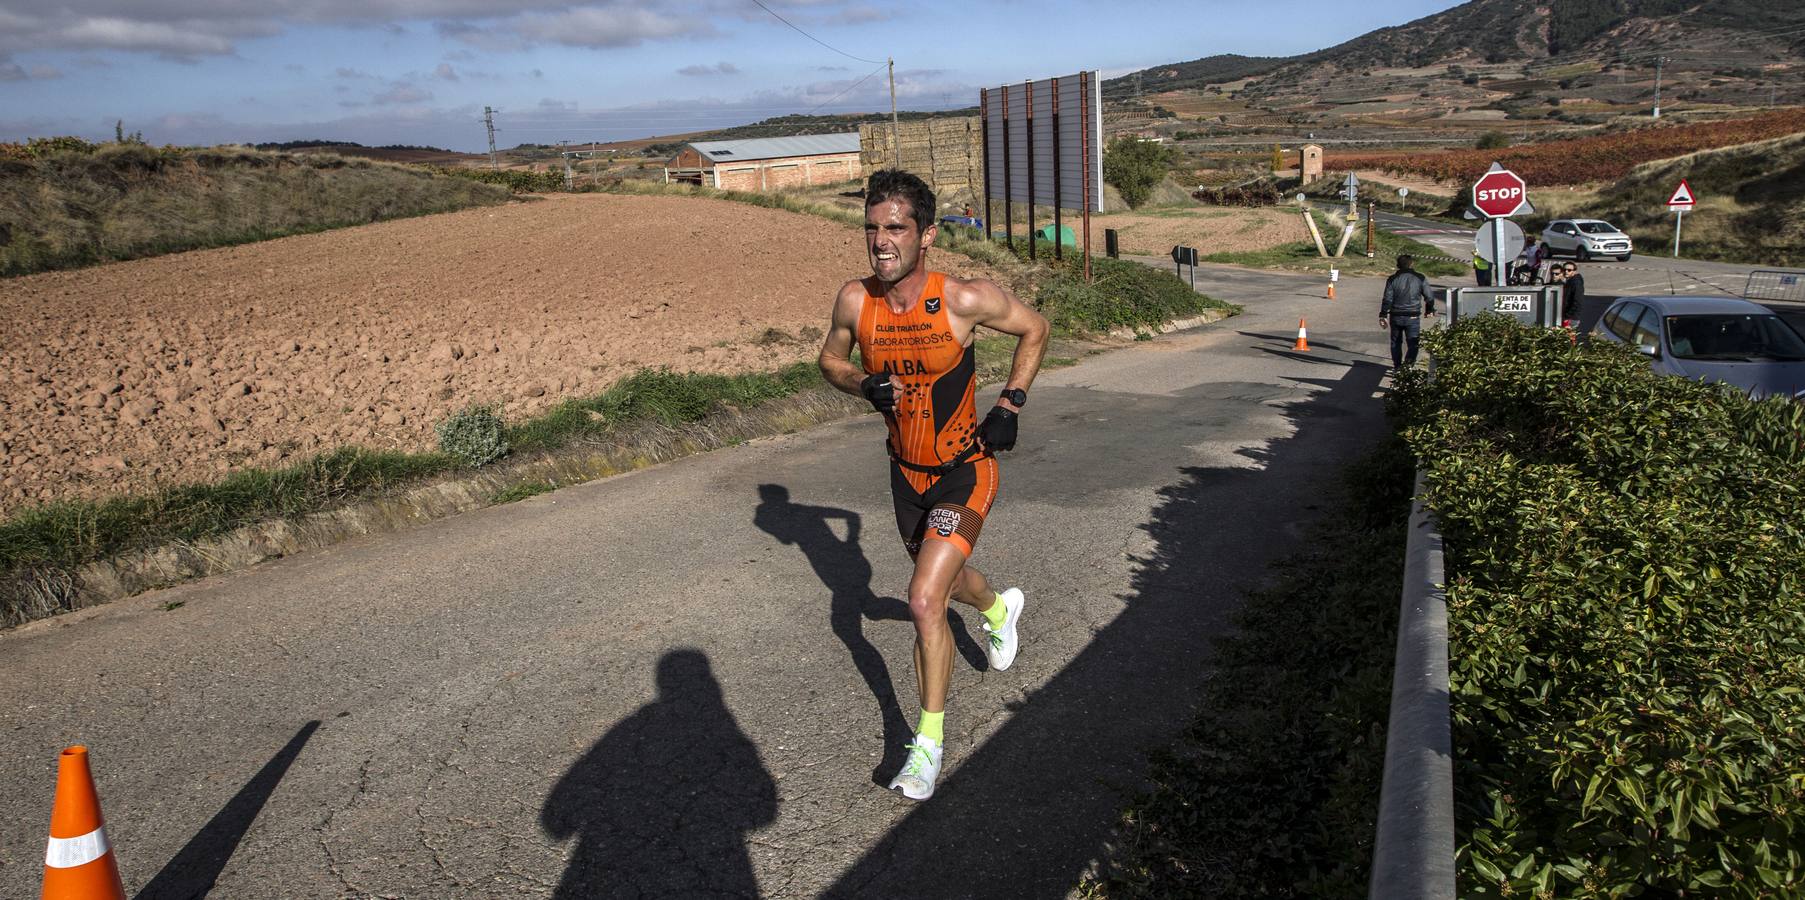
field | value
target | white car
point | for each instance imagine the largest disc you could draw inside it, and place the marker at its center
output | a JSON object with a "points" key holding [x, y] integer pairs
{"points": [[1585, 238]]}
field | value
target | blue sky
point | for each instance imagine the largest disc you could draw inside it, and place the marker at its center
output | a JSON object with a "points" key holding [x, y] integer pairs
{"points": [[421, 71]]}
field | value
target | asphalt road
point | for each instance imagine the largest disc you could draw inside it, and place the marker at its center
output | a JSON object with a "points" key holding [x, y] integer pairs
{"points": [[691, 679]]}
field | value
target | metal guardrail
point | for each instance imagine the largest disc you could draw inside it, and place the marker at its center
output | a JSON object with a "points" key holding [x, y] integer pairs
{"points": [[1413, 849], [1770, 284]]}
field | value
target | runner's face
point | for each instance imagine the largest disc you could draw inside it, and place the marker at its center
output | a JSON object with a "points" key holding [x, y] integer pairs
{"points": [[892, 241]]}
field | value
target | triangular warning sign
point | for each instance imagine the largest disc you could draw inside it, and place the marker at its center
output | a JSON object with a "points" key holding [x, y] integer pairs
{"points": [[1682, 195]]}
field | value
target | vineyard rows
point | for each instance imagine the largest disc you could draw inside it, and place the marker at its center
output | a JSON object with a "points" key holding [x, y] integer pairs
{"points": [[1602, 157]]}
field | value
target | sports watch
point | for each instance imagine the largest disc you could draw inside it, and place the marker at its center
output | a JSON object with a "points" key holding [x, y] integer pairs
{"points": [[1016, 396]]}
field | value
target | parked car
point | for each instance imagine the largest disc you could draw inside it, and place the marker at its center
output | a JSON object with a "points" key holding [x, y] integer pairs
{"points": [[1585, 238], [1711, 339]]}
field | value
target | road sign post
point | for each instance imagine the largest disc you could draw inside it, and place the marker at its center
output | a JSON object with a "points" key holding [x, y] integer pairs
{"points": [[1498, 195], [1679, 204]]}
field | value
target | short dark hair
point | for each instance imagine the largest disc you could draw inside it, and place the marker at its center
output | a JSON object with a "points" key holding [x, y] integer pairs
{"points": [[895, 184], [1405, 261]]}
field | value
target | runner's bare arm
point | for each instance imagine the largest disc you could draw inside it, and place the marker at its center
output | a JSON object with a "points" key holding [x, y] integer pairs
{"points": [[982, 302], [836, 351]]}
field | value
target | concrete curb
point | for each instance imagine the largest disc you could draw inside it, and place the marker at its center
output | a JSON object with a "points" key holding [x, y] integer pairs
{"points": [[33, 596], [48, 594], [1205, 318], [1413, 850]]}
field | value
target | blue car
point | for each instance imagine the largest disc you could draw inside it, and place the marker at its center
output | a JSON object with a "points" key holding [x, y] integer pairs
{"points": [[1711, 339]]}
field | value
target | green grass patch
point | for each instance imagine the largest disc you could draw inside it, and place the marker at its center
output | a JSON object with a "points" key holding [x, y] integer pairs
{"points": [[522, 491], [63, 536], [1272, 789], [656, 395], [1431, 261], [1122, 294], [66, 535]]}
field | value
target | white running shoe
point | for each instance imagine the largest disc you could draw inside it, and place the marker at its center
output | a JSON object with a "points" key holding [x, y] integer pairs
{"points": [[1001, 644], [916, 780]]}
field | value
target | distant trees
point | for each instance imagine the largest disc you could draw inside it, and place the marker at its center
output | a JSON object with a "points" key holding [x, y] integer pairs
{"points": [[1278, 158], [1493, 140], [1134, 166]]}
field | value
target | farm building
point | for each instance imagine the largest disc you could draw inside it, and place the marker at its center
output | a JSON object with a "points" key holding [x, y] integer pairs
{"points": [[762, 164]]}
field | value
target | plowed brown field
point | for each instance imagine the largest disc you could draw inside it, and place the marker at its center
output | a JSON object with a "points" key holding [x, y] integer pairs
{"points": [[173, 369]]}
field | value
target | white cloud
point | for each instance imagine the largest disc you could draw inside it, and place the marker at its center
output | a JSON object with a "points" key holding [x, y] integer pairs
{"points": [[12, 71], [112, 33], [722, 68], [400, 94], [343, 72], [607, 26], [445, 72], [196, 28]]}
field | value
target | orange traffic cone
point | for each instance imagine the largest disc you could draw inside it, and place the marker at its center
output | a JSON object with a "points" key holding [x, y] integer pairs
{"points": [[1303, 338], [1331, 290], [79, 863]]}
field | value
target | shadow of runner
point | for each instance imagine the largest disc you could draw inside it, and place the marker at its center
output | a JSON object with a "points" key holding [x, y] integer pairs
{"points": [[1026, 814], [196, 867], [661, 805], [843, 569]]}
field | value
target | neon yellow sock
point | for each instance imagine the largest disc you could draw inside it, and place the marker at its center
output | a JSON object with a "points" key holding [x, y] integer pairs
{"points": [[933, 725], [996, 614]]}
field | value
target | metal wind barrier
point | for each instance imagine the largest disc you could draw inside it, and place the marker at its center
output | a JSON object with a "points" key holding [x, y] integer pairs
{"points": [[1765, 284]]}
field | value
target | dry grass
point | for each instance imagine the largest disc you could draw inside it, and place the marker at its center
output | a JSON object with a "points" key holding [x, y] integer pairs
{"points": [[124, 201]]}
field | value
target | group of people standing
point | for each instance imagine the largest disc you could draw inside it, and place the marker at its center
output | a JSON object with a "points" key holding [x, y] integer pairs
{"points": [[1528, 270]]}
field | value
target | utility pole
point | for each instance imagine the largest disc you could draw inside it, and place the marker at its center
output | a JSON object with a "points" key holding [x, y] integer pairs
{"points": [[489, 120], [1658, 61], [895, 129]]}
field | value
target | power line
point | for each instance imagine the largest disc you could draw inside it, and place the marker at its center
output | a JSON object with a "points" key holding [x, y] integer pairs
{"points": [[811, 37], [848, 87]]}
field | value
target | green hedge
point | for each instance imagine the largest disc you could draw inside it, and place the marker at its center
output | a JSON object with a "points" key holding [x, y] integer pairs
{"points": [[1627, 619]]}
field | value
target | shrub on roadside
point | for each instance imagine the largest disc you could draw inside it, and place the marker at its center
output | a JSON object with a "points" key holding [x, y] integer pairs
{"points": [[1122, 294], [520, 181], [1133, 166], [1626, 562], [473, 435]]}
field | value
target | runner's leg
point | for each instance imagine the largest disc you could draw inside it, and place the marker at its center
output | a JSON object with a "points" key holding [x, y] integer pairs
{"points": [[937, 566]]}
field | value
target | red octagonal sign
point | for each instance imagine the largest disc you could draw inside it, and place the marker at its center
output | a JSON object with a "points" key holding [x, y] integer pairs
{"points": [[1500, 193]]}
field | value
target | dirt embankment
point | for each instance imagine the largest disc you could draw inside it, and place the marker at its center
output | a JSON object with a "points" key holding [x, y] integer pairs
{"points": [[174, 369], [1211, 229]]}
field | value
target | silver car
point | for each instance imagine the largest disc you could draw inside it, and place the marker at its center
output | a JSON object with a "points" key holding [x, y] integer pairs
{"points": [[1711, 339], [1585, 238]]}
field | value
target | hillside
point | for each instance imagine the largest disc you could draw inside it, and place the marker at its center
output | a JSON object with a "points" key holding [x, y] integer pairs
{"points": [[1593, 158], [1542, 67], [84, 204], [1751, 203]]}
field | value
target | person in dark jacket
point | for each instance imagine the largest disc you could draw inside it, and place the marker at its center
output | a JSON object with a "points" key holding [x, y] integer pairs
{"points": [[1407, 300], [1573, 297]]}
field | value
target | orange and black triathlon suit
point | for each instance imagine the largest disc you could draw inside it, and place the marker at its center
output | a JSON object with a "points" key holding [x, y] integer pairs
{"points": [[942, 481]]}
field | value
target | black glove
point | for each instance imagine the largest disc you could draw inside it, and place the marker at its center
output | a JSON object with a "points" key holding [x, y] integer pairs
{"points": [[998, 430], [878, 389]]}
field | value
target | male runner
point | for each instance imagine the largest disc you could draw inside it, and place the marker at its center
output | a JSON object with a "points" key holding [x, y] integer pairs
{"points": [[914, 330]]}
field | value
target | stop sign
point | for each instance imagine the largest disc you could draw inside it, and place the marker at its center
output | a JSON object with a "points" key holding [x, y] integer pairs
{"points": [[1499, 193]]}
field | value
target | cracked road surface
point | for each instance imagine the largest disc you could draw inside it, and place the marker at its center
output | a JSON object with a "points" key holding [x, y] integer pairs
{"points": [[687, 681]]}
